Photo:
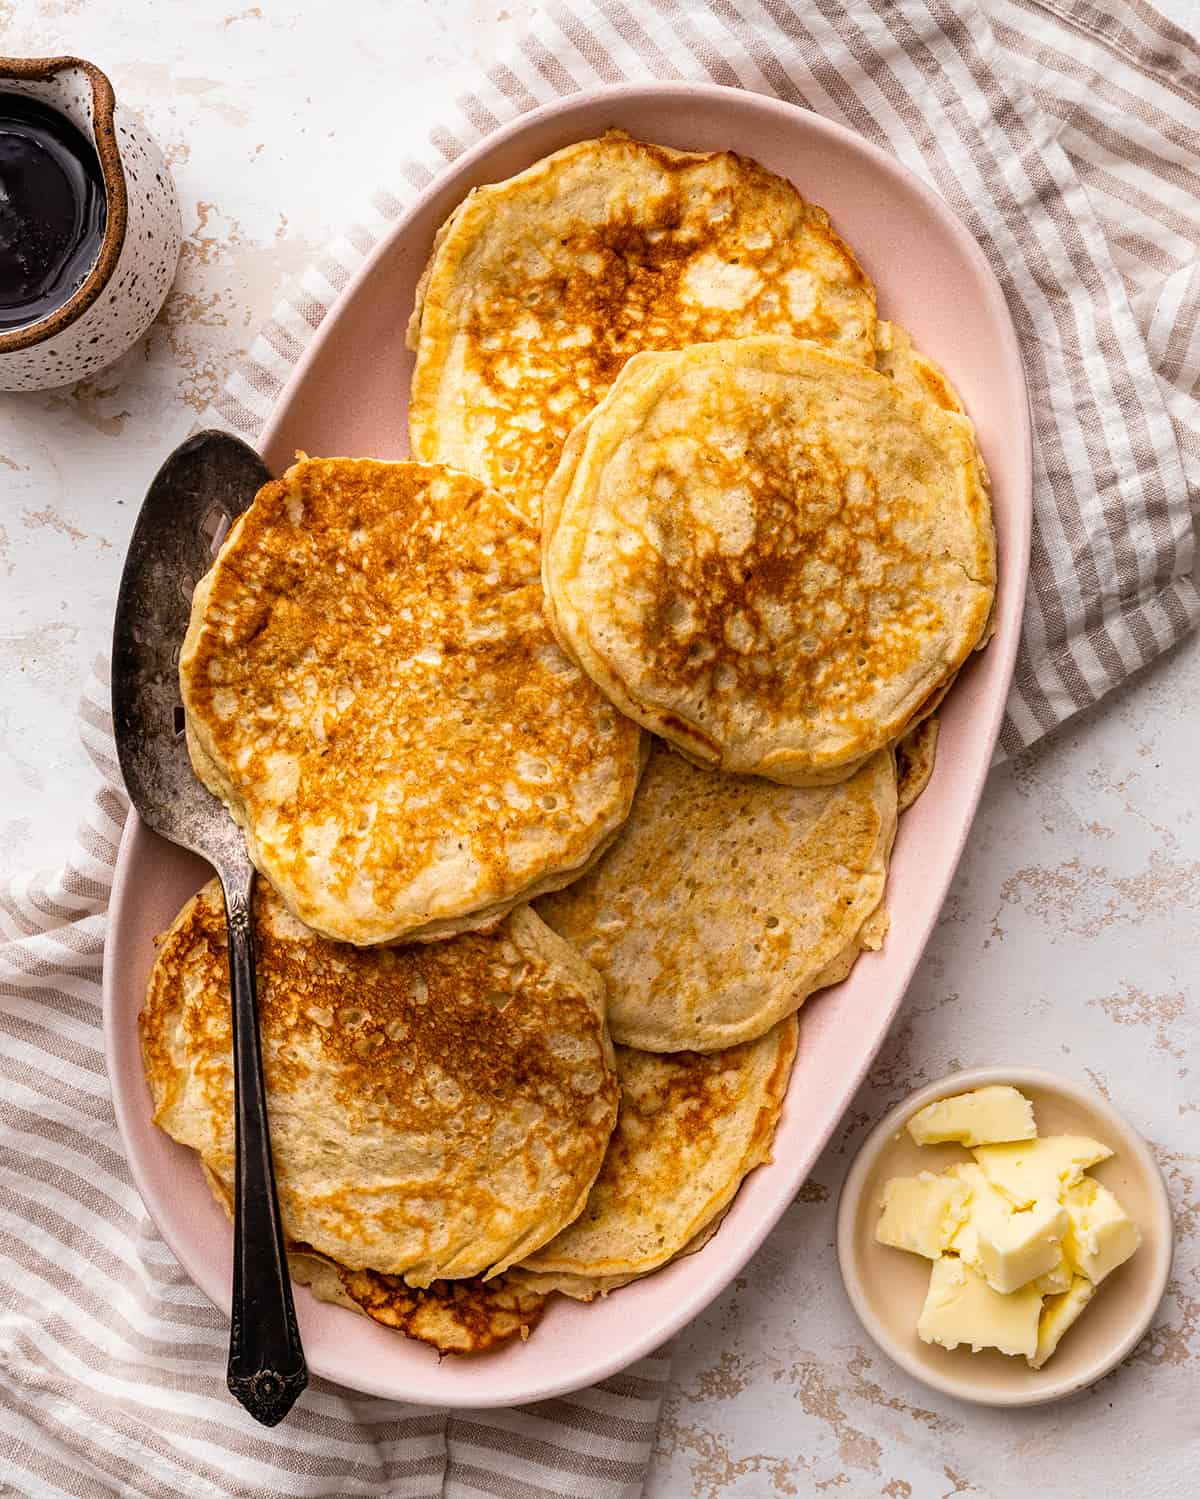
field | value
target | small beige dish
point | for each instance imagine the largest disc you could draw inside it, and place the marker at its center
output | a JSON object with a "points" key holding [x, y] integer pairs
{"points": [[887, 1287]]}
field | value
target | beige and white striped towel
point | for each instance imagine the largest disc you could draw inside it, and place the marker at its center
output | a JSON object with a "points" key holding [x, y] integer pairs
{"points": [[1067, 137]]}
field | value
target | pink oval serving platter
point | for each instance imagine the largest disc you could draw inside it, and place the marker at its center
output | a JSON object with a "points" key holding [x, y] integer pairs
{"points": [[348, 396]]}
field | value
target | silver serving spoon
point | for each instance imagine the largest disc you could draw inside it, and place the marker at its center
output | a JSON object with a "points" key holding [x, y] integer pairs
{"points": [[200, 490]]}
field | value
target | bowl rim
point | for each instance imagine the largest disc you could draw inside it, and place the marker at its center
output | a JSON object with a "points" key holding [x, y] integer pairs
{"points": [[644, 1339], [1158, 1243], [18, 70]]}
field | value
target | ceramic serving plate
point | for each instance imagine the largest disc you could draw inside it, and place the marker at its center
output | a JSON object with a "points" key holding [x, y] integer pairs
{"points": [[348, 396]]}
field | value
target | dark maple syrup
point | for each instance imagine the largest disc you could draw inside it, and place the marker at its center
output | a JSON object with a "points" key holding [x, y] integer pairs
{"points": [[52, 210]]}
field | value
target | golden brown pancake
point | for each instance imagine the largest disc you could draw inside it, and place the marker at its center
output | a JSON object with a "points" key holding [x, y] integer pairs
{"points": [[726, 901], [437, 1111], [372, 690], [774, 557], [915, 372], [896, 357], [453, 1316], [915, 756], [541, 287], [690, 1129]]}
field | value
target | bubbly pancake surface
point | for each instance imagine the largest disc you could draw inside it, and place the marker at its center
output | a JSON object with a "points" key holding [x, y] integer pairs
{"points": [[437, 1110], [726, 900], [372, 689], [689, 1130], [541, 287], [775, 557]]}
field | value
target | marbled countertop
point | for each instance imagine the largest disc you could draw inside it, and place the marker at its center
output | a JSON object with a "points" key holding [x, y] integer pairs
{"points": [[1070, 938]]}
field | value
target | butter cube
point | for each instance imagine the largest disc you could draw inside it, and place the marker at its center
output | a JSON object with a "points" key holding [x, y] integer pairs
{"points": [[1101, 1235], [1025, 1245], [987, 1209], [1002, 1243], [978, 1118], [1058, 1313], [1043, 1168], [921, 1213], [961, 1307], [1057, 1279]]}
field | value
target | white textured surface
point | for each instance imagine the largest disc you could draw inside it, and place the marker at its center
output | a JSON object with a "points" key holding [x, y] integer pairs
{"points": [[1070, 938]]}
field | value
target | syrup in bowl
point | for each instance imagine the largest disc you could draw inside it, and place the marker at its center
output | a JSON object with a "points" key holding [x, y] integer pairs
{"points": [[52, 210]]}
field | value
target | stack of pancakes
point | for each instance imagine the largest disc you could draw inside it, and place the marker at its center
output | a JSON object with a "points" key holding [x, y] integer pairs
{"points": [[670, 474]]}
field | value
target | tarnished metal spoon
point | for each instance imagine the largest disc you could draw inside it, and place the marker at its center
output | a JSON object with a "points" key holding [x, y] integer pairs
{"points": [[198, 493]]}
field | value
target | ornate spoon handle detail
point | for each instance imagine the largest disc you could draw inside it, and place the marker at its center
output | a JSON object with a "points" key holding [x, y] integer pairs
{"points": [[266, 1370]]}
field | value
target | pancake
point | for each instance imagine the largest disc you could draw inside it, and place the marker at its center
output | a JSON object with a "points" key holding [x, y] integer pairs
{"points": [[581, 1287], [726, 900], [794, 591], [437, 1111], [690, 1129], [541, 287], [896, 357], [372, 690], [453, 1316], [915, 755]]}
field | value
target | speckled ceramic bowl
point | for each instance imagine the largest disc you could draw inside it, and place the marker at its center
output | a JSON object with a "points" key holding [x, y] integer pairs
{"points": [[121, 294], [887, 1286]]}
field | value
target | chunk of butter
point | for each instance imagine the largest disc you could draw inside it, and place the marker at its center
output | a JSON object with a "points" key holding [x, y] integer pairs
{"points": [[1058, 1313], [1027, 1244], [1019, 1236], [979, 1118], [1007, 1247], [987, 1210], [961, 1307], [922, 1213], [1046, 1167], [1101, 1234], [1058, 1278]]}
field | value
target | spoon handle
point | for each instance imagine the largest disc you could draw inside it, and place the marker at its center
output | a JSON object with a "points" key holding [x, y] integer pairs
{"points": [[266, 1362]]}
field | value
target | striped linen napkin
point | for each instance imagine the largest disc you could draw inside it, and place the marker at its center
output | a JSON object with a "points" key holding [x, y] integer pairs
{"points": [[1067, 137]]}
